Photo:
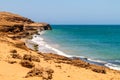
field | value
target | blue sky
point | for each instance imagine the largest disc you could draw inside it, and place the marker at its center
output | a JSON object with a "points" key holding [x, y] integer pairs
{"points": [[66, 11]]}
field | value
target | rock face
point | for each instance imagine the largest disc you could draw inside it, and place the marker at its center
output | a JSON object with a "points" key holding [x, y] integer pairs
{"points": [[10, 17], [14, 23], [14, 28], [40, 26]]}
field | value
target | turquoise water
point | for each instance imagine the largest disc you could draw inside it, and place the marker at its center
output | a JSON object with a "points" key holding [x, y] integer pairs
{"points": [[96, 42]]}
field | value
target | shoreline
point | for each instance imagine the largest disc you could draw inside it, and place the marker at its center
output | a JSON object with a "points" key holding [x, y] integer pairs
{"points": [[38, 40], [43, 46], [24, 63]]}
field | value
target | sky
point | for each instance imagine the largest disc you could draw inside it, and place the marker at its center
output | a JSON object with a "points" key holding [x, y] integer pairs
{"points": [[66, 11]]}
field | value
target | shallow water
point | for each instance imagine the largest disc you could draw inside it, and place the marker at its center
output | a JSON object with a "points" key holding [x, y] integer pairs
{"points": [[98, 43]]}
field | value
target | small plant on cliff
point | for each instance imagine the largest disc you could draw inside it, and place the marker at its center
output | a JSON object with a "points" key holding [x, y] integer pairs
{"points": [[35, 47], [37, 32], [29, 37]]}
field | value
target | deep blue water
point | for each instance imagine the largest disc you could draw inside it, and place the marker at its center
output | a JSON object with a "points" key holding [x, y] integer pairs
{"points": [[97, 42]]}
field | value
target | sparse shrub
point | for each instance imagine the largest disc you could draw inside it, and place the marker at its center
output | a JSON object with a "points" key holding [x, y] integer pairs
{"points": [[29, 37], [36, 47]]}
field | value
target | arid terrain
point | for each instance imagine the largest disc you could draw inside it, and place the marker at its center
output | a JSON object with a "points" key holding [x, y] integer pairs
{"points": [[17, 62]]}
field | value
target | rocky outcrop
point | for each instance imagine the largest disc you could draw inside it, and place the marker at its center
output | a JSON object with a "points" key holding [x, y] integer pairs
{"points": [[10, 17], [14, 23], [75, 62], [39, 26], [31, 58], [14, 28], [45, 73], [27, 64]]}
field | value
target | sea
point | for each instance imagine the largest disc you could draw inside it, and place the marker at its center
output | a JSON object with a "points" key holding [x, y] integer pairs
{"points": [[97, 44]]}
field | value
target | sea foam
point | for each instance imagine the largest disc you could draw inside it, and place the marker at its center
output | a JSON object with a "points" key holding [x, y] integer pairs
{"points": [[112, 66], [46, 48]]}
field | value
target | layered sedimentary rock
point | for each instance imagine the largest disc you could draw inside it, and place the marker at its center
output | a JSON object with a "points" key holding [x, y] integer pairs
{"points": [[14, 23]]}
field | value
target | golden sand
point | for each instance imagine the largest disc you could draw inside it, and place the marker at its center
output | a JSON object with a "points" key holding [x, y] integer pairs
{"points": [[64, 68]]}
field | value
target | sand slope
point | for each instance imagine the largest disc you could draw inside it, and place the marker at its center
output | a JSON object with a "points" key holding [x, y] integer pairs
{"points": [[64, 68], [62, 71]]}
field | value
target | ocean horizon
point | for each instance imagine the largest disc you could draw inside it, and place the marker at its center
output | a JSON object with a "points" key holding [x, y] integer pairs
{"points": [[98, 44]]}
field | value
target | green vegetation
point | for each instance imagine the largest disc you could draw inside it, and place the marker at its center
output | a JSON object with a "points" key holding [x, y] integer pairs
{"points": [[36, 47]]}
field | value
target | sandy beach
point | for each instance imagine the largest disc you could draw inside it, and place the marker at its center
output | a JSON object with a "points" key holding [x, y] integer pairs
{"points": [[17, 62]]}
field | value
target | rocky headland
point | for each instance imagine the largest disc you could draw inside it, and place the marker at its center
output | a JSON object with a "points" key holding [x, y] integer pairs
{"points": [[17, 62]]}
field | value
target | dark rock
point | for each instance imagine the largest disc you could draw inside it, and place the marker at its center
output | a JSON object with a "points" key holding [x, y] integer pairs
{"points": [[80, 63], [45, 73], [26, 63], [12, 28], [99, 71], [35, 72], [16, 56], [31, 58], [27, 57], [47, 27]]}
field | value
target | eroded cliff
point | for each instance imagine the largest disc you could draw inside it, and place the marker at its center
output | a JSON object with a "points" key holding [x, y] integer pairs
{"points": [[14, 23]]}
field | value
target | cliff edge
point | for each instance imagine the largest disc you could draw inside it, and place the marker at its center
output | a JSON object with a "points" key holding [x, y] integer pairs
{"points": [[14, 23]]}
